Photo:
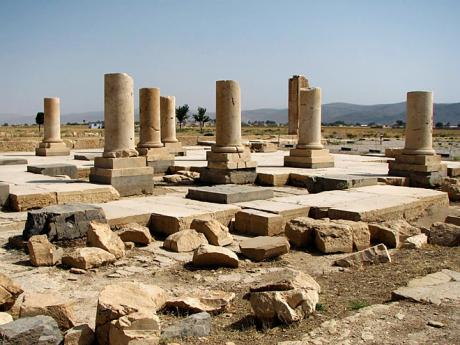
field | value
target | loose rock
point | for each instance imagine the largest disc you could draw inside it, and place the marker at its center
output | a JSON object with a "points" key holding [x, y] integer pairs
{"points": [[136, 328], [211, 256], [374, 255], [39, 330], [301, 231], [42, 252], [184, 241], [57, 307], [196, 325], [9, 292], [136, 233], [415, 242], [444, 234], [332, 237], [5, 318], [216, 233], [101, 236], [79, 335], [88, 257], [264, 247], [200, 301], [392, 233]]}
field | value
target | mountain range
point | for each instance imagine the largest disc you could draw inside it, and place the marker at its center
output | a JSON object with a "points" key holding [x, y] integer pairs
{"points": [[331, 112]]}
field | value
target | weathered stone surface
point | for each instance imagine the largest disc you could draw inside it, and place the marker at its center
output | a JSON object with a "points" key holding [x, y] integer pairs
{"points": [[136, 328], [211, 256], [118, 300], [452, 187], [62, 222], [359, 232], [444, 234], [288, 296], [301, 231], [392, 233], [42, 252], [203, 300], [37, 330], [229, 194], [4, 194], [442, 287], [101, 236], [184, 241], [259, 223], [196, 325], [88, 257], [415, 242], [5, 318], [334, 237], [317, 184], [373, 255], [54, 169], [136, 233], [264, 247], [216, 233], [9, 292], [79, 335], [228, 176], [60, 309]]}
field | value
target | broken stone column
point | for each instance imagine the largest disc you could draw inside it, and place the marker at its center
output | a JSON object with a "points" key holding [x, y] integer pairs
{"points": [[296, 83], [120, 165], [228, 161], [52, 144], [418, 161], [168, 126], [309, 152], [150, 145]]}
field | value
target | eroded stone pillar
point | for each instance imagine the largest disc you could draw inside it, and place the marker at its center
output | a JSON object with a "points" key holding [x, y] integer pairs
{"points": [[296, 83], [120, 165], [418, 161], [228, 161], [119, 116], [168, 126], [309, 152], [52, 144]]}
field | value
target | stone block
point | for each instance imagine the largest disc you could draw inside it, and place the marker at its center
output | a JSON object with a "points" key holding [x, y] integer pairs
{"points": [[135, 233], [221, 176], [317, 184], [86, 156], [9, 292], [54, 170], [264, 247], [176, 148], [216, 233], [286, 210], [321, 155], [453, 171], [184, 241], [335, 238], [236, 157], [62, 222], [453, 220], [4, 194], [373, 255], [52, 149], [263, 146], [309, 163], [421, 168], [79, 335], [258, 223], [444, 234], [229, 194], [101, 236], [39, 330], [160, 166], [13, 161], [196, 325], [119, 163], [88, 257], [42, 252], [214, 256], [428, 160], [301, 231], [272, 179]]}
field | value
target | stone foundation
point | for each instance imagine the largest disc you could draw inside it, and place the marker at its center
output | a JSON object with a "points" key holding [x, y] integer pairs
{"points": [[176, 149], [313, 159], [228, 176], [52, 149]]}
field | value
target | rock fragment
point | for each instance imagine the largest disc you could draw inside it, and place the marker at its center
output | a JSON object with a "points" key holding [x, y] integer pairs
{"points": [[213, 301], [196, 325], [264, 247], [101, 236], [79, 335], [9, 292], [207, 255], [216, 233], [88, 257], [373, 255], [40, 330], [184, 241], [136, 233], [444, 234], [42, 252]]}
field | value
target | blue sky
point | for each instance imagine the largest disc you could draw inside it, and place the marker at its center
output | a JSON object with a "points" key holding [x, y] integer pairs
{"points": [[362, 52]]}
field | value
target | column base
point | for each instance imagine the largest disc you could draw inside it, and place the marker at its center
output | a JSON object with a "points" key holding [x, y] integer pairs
{"points": [[425, 171], [129, 176], [228, 176], [158, 158], [310, 159], [52, 149], [176, 149]]}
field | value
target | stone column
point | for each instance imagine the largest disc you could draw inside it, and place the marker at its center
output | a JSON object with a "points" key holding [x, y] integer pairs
{"points": [[228, 161], [296, 83], [419, 123], [120, 165], [119, 116], [309, 152], [310, 119], [149, 113], [52, 144], [228, 117], [168, 119], [418, 162]]}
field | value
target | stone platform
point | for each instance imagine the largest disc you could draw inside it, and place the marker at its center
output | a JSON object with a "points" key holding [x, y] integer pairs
{"points": [[54, 170], [229, 194], [12, 161]]}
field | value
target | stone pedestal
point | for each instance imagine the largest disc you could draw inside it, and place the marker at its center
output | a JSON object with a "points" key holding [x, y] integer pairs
{"points": [[52, 144], [228, 161], [120, 165], [418, 161], [168, 126], [296, 83], [309, 152], [150, 145]]}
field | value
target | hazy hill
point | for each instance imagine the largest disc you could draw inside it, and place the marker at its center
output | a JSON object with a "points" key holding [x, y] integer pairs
{"points": [[347, 112]]}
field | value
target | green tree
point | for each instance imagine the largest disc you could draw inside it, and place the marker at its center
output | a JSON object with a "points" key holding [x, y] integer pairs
{"points": [[40, 119], [439, 125], [182, 114], [201, 117]]}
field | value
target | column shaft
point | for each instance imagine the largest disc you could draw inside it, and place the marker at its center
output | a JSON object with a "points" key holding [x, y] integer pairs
{"points": [[168, 119], [310, 119], [52, 124], [149, 113]]}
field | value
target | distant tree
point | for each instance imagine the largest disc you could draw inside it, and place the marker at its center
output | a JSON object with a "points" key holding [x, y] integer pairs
{"points": [[439, 125], [400, 123], [5, 124], [458, 125], [201, 117], [182, 114], [40, 119]]}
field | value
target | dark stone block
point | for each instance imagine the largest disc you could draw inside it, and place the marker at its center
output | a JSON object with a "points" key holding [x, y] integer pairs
{"points": [[229, 194], [54, 170], [13, 161], [62, 222], [37, 330], [223, 176], [318, 184], [160, 166], [4, 194]]}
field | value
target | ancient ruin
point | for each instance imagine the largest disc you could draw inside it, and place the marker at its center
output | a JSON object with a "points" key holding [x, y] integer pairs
{"points": [[309, 152], [120, 165], [296, 83], [418, 160], [168, 126], [150, 145], [228, 161], [52, 144]]}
